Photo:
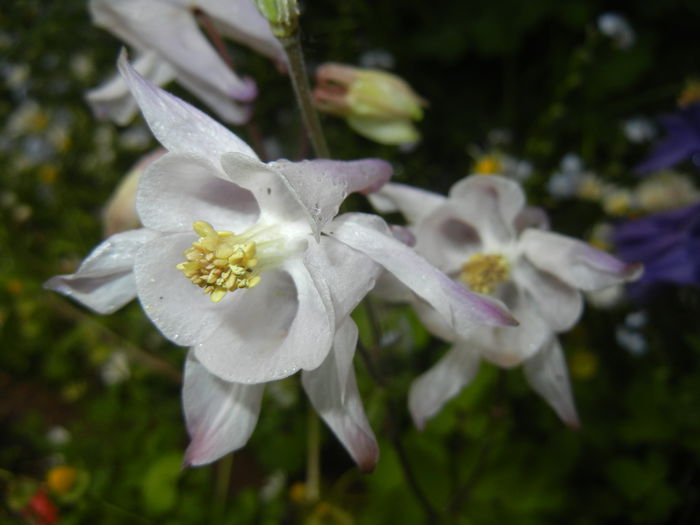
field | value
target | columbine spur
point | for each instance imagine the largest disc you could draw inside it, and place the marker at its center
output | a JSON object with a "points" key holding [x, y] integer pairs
{"points": [[264, 285], [485, 237], [170, 46]]}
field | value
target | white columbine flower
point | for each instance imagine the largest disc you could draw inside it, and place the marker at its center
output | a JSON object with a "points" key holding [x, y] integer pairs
{"points": [[485, 237], [246, 263], [170, 46]]}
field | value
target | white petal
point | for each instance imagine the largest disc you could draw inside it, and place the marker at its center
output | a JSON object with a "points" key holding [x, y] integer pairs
{"points": [[430, 391], [574, 262], [113, 100], [322, 185], [172, 32], [226, 108], [104, 281], [547, 374], [278, 201], [277, 328], [178, 308], [559, 304], [179, 127], [179, 189], [490, 204], [349, 274], [509, 346], [413, 203], [220, 416], [241, 21], [338, 402], [458, 306]]}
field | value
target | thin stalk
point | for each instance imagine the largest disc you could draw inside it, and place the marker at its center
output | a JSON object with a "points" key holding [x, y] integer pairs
{"points": [[302, 91], [222, 485], [313, 457]]}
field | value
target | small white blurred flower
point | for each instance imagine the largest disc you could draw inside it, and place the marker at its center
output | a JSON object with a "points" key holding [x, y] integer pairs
{"points": [[666, 191], [638, 129], [565, 183], [637, 319], [273, 487], [116, 369], [58, 435], [631, 340], [616, 26], [377, 59]]}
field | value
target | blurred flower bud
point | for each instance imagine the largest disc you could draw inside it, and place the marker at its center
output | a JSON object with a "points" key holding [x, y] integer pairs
{"points": [[666, 191], [377, 105], [283, 16], [638, 130], [120, 210]]}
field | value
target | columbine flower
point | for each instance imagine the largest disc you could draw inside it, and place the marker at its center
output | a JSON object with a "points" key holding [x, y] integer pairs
{"points": [[682, 140], [246, 263], [667, 243], [376, 104], [171, 46], [485, 237]]}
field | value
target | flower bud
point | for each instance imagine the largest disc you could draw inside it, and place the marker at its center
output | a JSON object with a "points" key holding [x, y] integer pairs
{"points": [[120, 211], [377, 105], [283, 16]]}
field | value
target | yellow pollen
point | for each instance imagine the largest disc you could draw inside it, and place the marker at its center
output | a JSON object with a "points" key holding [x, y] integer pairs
{"points": [[488, 165], [219, 262], [482, 272]]}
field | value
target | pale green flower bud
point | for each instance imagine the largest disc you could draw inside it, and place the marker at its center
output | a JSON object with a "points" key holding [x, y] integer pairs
{"points": [[283, 16], [378, 105]]}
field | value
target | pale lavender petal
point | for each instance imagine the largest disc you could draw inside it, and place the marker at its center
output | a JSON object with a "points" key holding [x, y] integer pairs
{"points": [[531, 217], [413, 203], [178, 308], [558, 303], [171, 30], [113, 100], [458, 306], [490, 204], [574, 262], [337, 400], [241, 21], [547, 374], [431, 390], [322, 185], [104, 281], [282, 325], [225, 107], [220, 416], [179, 189], [179, 127], [446, 240]]}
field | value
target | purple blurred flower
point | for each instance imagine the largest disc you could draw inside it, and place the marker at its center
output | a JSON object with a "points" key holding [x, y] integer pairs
{"points": [[682, 140], [669, 246]]}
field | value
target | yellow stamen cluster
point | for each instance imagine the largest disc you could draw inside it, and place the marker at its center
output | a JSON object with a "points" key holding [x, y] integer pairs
{"points": [[220, 262], [483, 272]]}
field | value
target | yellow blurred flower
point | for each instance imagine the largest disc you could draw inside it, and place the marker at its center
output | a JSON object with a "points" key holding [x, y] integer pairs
{"points": [[61, 479]]}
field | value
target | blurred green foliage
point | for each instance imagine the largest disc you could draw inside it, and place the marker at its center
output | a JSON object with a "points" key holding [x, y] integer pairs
{"points": [[496, 454]]}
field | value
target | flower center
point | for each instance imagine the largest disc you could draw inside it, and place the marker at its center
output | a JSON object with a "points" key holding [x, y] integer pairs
{"points": [[483, 272], [220, 261]]}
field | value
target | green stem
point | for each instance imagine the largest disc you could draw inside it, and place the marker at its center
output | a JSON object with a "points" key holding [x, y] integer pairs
{"points": [[313, 457], [300, 82], [223, 481]]}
